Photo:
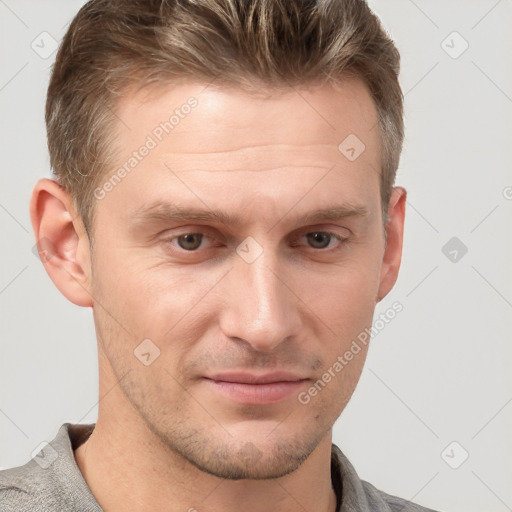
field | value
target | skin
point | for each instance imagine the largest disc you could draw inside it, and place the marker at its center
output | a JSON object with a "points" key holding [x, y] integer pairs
{"points": [[166, 438]]}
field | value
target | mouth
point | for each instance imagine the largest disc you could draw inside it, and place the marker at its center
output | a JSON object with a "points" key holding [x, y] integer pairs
{"points": [[253, 389]]}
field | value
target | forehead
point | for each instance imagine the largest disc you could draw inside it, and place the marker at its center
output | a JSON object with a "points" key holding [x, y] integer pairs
{"points": [[299, 115], [208, 138]]}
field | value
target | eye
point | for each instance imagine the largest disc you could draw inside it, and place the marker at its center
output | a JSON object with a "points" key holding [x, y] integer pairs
{"points": [[189, 241], [322, 239]]}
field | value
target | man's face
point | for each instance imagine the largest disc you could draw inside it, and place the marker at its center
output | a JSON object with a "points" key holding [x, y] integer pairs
{"points": [[249, 310]]}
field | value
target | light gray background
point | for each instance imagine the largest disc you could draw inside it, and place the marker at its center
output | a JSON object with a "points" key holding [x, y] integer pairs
{"points": [[439, 372]]}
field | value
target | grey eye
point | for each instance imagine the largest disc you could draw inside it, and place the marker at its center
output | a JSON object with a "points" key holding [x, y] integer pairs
{"points": [[190, 241], [319, 239]]}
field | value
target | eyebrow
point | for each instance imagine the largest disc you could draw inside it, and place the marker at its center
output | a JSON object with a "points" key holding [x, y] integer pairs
{"points": [[173, 212]]}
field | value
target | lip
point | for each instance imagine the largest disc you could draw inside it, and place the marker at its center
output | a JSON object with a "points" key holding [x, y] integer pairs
{"points": [[253, 389]]}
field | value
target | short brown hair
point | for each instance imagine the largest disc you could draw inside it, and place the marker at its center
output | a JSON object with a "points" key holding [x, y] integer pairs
{"points": [[112, 45]]}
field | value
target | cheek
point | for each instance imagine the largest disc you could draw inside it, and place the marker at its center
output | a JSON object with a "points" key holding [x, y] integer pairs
{"points": [[344, 299], [326, 397], [164, 305], [146, 298]]}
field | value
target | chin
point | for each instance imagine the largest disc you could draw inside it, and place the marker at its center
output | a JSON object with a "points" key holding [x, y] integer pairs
{"points": [[240, 466]]}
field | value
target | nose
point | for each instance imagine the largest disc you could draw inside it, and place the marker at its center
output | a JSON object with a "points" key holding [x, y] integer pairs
{"points": [[260, 307]]}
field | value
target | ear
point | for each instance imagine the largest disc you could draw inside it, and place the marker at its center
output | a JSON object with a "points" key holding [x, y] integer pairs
{"points": [[394, 240], [62, 242]]}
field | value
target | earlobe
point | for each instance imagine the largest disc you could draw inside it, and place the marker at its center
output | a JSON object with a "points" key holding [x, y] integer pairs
{"points": [[62, 242], [394, 242]]}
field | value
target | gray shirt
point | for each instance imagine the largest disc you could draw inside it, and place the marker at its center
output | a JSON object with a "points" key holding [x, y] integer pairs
{"points": [[52, 481]]}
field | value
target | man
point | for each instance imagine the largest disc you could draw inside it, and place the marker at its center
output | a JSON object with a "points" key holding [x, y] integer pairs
{"points": [[224, 203]]}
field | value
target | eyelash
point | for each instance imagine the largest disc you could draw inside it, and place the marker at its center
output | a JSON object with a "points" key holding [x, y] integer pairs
{"points": [[337, 237]]}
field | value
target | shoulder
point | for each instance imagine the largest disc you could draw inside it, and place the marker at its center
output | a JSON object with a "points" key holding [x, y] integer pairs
{"points": [[51, 480], [357, 494], [26, 488], [387, 502]]}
